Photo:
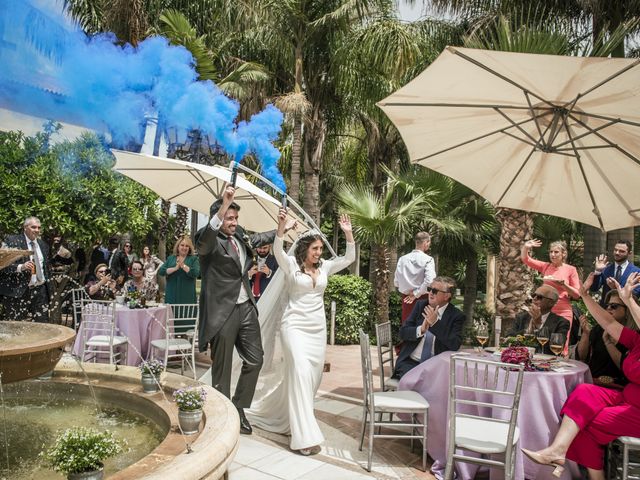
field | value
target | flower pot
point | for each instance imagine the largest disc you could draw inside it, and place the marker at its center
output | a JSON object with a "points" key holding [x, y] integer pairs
{"points": [[150, 383], [189, 421], [90, 475]]}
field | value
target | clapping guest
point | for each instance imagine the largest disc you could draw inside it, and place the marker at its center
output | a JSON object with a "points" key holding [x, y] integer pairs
{"points": [[139, 283], [597, 348], [151, 264], [593, 415], [103, 287], [181, 269]]}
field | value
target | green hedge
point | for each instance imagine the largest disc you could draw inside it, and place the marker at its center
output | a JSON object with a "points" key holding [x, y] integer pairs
{"points": [[352, 295]]}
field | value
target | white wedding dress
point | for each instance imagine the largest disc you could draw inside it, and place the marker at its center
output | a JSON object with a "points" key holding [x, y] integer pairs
{"points": [[288, 406], [293, 330]]}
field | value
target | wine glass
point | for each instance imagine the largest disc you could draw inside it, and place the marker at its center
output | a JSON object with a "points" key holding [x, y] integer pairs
{"points": [[542, 335], [482, 334], [556, 343]]}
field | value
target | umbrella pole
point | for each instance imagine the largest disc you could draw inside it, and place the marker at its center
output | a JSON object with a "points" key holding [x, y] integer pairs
{"points": [[286, 199]]}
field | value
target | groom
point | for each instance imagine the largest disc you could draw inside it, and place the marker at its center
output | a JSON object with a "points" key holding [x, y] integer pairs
{"points": [[228, 311]]}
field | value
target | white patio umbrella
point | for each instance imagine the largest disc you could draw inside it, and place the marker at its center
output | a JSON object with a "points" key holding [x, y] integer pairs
{"points": [[541, 133], [197, 186]]}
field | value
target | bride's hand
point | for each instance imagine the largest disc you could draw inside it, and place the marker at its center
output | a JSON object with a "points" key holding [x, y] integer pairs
{"points": [[345, 223], [282, 222]]}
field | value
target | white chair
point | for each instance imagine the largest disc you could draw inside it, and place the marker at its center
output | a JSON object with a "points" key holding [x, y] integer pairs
{"points": [[625, 468], [99, 335], [181, 337], [377, 403], [77, 295], [484, 397], [384, 342]]}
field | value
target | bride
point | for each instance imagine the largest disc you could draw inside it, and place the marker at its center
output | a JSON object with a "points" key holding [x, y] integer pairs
{"points": [[288, 408]]}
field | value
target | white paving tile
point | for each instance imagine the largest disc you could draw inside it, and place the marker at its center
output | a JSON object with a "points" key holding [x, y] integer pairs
{"points": [[251, 450], [332, 406], [248, 473], [286, 465], [328, 471]]}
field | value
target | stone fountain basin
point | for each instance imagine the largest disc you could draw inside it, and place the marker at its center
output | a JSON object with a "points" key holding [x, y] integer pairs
{"points": [[28, 349], [212, 449]]}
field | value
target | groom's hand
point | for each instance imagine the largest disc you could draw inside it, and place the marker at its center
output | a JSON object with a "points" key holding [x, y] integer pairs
{"points": [[228, 195]]}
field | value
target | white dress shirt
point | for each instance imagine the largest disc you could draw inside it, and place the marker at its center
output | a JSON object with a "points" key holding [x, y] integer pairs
{"points": [[216, 223], [414, 273], [417, 352], [34, 278]]}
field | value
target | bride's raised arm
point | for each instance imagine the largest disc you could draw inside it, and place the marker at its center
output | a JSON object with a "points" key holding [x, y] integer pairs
{"points": [[285, 262], [339, 263]]}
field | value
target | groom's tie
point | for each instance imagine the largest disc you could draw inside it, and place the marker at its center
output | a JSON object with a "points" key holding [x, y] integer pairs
{"points": [[233, 245]]}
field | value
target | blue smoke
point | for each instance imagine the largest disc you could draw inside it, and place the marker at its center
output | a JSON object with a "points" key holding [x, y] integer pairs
{"points": [[53, 70]]}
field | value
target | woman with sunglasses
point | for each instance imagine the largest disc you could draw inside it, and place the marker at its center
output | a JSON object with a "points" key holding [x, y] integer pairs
{"points": [[103, 287], [593, 415], [560, 275], [598, 350], [138, 283]]}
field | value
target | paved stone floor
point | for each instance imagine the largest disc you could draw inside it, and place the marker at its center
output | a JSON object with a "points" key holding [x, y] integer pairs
{"points": [[267, 456]]}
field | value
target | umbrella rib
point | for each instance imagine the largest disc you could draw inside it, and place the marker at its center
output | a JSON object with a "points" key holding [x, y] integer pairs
{"points": [[526, 134], [523, 140], [500, 130], [499, 75], [584, 147], [201, 181], [461, 105], [601, 127], [526, 95], [611, 119], [526, 160], [608, 79], [605, 139], [596, 210]]}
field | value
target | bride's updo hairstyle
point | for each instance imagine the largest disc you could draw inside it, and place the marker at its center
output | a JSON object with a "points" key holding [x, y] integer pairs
{"points": [[302, 247]]}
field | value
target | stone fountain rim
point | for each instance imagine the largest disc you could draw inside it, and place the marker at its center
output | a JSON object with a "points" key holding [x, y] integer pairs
{"points": [[62, 336]]}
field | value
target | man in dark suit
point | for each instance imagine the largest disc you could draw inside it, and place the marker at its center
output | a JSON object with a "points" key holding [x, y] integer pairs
{"points": [[620, 269], [540, 315], [228, 311], [434, 326], [262, 270], [118, 262], [24, 284]]}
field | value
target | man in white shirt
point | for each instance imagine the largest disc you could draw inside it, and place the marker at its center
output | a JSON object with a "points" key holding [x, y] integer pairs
{"points": [[23, 284], [435, 326], [414, 273]]}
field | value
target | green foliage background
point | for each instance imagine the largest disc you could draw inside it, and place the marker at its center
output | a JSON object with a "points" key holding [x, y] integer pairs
{"points": [[70, 186], [352, 295]]}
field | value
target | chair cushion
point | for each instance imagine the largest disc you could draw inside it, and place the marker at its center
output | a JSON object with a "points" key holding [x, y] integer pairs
{"points": [[103, 341], [391, 383], [404, 400], [631, 441], [483, 435], [174, 344]]}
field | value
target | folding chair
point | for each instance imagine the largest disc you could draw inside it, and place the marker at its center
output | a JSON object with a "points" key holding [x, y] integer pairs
{"points": [[481, 394], [621, 462], [384, 342], [99, 332], [77, 295], [181, 337], [378, 403]]}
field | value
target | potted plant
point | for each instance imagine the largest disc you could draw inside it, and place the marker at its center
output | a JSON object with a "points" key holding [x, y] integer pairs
{"points": [[151, 370], [79, 452], [190, 401]]}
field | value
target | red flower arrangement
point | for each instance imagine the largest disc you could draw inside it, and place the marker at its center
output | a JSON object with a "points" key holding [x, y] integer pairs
{"points": [[517, 355]]}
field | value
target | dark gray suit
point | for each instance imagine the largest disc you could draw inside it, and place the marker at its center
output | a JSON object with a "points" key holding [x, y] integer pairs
{"points": [[20, 300], [554, 323], [223, 322]]}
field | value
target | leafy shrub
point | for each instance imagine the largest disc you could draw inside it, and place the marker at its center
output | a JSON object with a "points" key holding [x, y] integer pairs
{"points": [[395, 315], [352, 295], [80, 449]]}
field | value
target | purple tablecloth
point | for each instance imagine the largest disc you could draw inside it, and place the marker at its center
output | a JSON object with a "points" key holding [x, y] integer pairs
{"points": [[139, 325], [543, 394]]}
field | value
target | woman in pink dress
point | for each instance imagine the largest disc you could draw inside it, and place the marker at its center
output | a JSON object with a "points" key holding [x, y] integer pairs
{"points": [[594, 415], [562, 276]]}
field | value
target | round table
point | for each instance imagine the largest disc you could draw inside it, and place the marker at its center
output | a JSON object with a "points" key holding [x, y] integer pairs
{"points": [[543, 394]]}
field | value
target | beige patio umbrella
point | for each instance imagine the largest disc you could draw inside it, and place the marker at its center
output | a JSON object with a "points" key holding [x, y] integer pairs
{"points": [[541, 133], [197, 186]]}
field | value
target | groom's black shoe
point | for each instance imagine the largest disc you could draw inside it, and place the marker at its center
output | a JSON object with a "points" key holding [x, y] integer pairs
{"points": [[245, 426]]}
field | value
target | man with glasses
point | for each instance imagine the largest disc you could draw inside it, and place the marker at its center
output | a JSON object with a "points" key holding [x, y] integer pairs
{"points": [[540, 315], [434, 326], [620, 269]]}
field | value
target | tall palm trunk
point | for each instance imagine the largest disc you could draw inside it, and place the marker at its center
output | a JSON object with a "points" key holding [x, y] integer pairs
{"points": [[296, 147], [381, 281], [514, 278], [181, 220], [314, 146], [470, 286], [594, 245]]}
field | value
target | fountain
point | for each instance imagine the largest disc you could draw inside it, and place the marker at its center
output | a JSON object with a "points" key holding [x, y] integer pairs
{"points": [[28, 350]]}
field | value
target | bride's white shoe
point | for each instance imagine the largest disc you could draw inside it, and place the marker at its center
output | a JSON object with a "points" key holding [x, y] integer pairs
{"points": [[305, 451]]}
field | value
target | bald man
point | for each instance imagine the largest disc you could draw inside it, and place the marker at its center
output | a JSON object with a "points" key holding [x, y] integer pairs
{"points": [[540, 315]]}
